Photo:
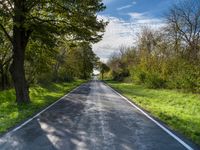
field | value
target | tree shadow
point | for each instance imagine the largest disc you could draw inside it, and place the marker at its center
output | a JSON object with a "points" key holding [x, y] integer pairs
{"points": [[53, 129]]}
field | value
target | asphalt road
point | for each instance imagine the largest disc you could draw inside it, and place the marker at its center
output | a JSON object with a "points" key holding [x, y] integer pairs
{"points": [[93, 117]]}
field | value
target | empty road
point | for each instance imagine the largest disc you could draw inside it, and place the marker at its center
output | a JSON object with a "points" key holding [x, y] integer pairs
{"points": [[92, 117]]}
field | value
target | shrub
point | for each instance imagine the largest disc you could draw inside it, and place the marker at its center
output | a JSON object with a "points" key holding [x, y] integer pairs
{"points": [[142, 77], [155, 81], [185, 76]]}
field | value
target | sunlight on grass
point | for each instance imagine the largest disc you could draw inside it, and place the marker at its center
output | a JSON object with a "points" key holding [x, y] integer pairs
{"points": [[41, 96], [181, 111]]}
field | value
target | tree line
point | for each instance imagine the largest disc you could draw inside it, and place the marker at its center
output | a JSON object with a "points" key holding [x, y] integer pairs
{"points": [[45, 40], [168, 57]]}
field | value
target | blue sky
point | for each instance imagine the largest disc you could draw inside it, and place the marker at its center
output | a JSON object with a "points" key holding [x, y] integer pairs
{"points": [[120, 8], [126, 17]]}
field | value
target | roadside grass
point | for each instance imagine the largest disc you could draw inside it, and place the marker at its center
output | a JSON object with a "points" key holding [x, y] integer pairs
{"points": [[180, 111], [41, 96]]}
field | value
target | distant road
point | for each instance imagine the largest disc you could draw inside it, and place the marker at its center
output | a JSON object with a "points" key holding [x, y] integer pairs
{"points": [[92, 117]]}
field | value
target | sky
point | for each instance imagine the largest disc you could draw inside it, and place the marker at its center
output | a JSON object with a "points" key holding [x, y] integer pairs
{"points": [[126, 17]]}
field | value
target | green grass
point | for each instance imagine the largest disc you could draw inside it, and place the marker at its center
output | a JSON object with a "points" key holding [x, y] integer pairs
{"points": [[180, 111], [41, 96]]}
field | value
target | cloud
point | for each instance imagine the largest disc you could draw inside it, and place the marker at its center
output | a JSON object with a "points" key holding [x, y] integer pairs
{"points": [[121, 32], [124, 7], [134, 2], [118, 33], [142, 19], [136, 15]]}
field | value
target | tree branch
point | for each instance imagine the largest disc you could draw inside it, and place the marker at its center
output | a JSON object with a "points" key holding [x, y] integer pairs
{"points": [[6, 33]]}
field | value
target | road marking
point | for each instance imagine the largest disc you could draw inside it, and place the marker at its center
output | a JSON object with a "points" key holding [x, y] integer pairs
{"points": [[26, 122], [156, 122]]}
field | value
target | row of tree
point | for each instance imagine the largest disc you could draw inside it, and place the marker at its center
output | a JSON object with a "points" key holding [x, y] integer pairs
{"points": [[167, 57], [45, 39]]}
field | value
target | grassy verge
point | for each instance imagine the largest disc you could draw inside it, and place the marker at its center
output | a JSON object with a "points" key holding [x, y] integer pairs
{"points": [[41, 96], [180, 111]]}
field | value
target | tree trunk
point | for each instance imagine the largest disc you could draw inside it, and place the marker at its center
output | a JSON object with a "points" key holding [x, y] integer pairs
{"points": [[2, 78], [17, 67], [20, 40]]}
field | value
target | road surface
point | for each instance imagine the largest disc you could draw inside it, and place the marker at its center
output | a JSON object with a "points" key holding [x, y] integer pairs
{"points": [[92, 117]]}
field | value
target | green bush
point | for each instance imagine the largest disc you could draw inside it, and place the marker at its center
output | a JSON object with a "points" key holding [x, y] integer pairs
{"points": [[155, 81], [142, 77], [138, 75], [120, 75], [185, 76]]}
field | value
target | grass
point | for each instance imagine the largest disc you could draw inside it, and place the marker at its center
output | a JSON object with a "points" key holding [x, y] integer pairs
{"points": [[180, 111], [41, 96]]}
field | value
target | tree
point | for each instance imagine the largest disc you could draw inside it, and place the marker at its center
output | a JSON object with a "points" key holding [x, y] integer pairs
{"points": [[5, 60], [39, 59], [88, 60], [184, 23], [103, 69], [46, 20], [82, 60]]}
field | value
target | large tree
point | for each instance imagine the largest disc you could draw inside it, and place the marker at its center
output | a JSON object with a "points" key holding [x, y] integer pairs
{"points": [[184, 24], [82, 60], [46, 20]]}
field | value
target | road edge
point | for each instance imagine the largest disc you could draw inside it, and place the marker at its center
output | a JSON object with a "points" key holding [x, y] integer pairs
{"points": [[23, 123], [178, 139]]}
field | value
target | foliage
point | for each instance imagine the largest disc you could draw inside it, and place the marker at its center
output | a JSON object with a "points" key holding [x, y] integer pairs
{"points": [[103, 69], [168, 57], [5, 59], [81, 61], [39, 60], [31, 27], [181, 111]]}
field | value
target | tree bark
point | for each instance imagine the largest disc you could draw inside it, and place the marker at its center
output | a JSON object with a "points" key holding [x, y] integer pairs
{"points": [[17, 67], [19, 41]]}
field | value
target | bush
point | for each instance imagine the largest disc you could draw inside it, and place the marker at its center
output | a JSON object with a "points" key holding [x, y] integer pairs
{"points": [[186, 76], [120, 75], [142, 77], [154, 81], [138, 75]]}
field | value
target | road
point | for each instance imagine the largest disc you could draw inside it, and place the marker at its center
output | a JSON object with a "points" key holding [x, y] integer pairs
{"points": [[92, 117]]}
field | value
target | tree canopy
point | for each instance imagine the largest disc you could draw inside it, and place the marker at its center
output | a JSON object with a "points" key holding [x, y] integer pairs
{"points": [[30, 25]]}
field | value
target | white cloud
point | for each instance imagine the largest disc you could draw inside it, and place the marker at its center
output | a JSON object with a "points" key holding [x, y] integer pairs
{"points": [[136, 15], [142, 19], [123, 33], [134, 2], [127, 6], [124, 7], [118, 33]]}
